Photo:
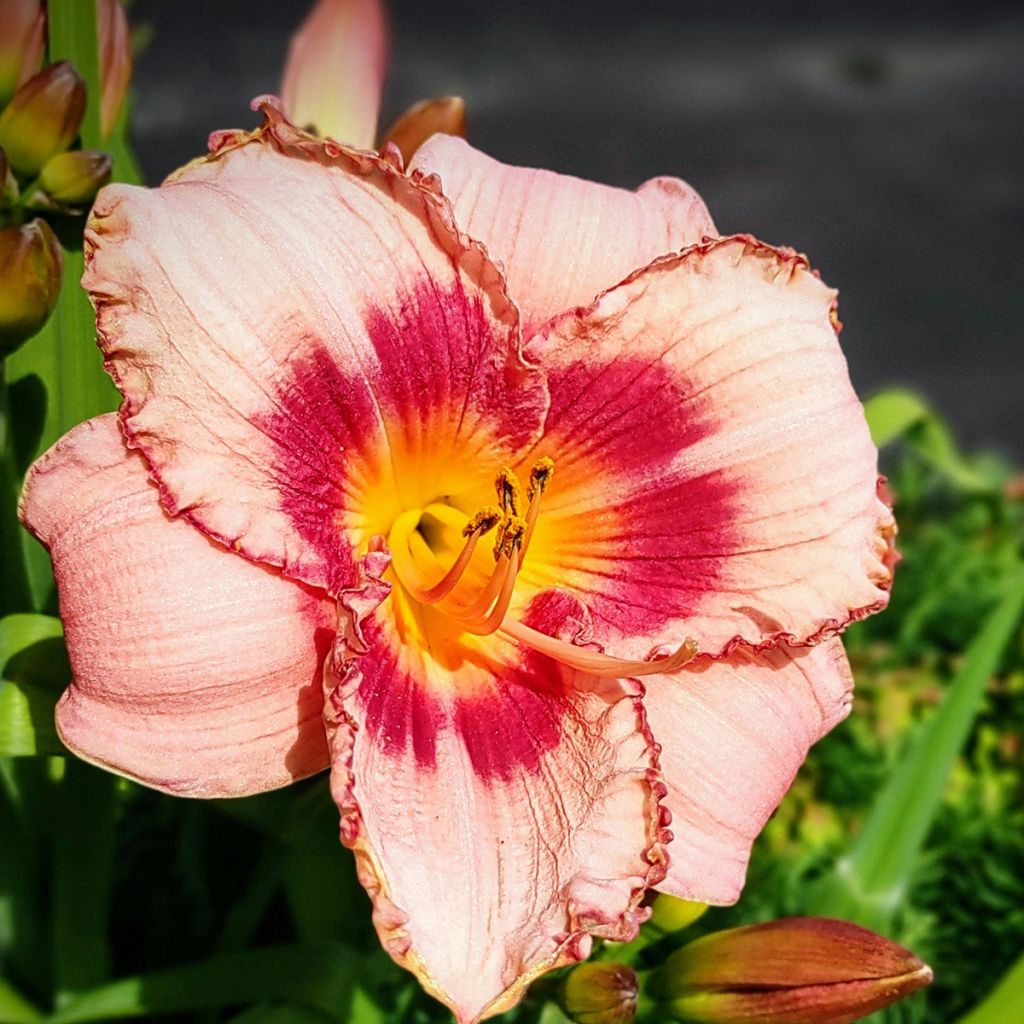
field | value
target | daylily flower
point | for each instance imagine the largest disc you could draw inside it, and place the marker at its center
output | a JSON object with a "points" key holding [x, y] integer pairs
{"points": [[345, 482]]}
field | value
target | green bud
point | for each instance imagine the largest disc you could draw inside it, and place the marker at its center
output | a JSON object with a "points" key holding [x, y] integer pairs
{"points": [[671, 914], [799, 970], [31, 262], [74, 178], [43, 118], [599, 992], [22, 40]]}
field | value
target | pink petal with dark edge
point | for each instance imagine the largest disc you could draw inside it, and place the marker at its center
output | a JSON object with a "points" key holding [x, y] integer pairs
{"points": [[715, 477], [561, 240], [233, 299], [195, 671], [733, 734], [498, 822]]}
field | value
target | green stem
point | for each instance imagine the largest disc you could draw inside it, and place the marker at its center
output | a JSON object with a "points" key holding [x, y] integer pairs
{"points": [[15, 593]]}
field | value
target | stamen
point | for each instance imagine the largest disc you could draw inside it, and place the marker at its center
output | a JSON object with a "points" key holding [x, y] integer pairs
{"points": [[506, 483], [540, 477], [592, 661], [490, 624]]}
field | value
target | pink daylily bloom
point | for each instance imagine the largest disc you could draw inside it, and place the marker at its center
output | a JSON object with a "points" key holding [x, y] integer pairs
{"points": [[333, 421]]}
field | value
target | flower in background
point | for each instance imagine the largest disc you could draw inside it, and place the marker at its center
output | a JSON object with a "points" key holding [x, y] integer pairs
{"points": [[31, 262], [335, 74]]}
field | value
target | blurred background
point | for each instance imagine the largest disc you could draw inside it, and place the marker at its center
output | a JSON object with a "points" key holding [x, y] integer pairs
{"points": [[885, 140]]}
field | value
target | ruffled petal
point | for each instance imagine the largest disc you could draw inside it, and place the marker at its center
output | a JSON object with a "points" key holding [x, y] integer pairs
{"points": [[561, 240], [306, 346], [733, 734], [502, 811], [715, 477], [195, 672], [335, 71]]}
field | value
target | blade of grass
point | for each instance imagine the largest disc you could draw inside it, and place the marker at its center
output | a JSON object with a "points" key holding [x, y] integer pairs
{"points": [[33, 671], [868, 884], [1005, 1003], [319, 976]]}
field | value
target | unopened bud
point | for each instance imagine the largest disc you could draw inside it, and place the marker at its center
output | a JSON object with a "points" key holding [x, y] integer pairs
{"points": [[670, 914], [22, 38], [115, 61], [601, 992], [31, 262], [43, 118], [446, 116], [74, 178], [799, 970]]}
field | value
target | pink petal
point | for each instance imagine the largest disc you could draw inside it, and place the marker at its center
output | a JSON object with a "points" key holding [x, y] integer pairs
{"points": [[335, 71], [561, 240], [294, 326], [714, 473], [195, 672], [733, 734], [502, 811]]}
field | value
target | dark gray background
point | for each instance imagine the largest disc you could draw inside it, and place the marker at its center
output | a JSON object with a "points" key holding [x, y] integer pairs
{"points": [[886, 141]]}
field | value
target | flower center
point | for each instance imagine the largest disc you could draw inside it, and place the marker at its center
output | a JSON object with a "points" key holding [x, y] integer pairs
{"points": [[474, 591]]}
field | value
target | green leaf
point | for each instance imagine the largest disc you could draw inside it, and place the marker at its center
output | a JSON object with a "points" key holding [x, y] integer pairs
{"points": [[14, 1007], [72, 35], [83, 868], [869, 883], [890, 414], [285, 1013], [1005, 1003], [33, 671], [319, 976]]}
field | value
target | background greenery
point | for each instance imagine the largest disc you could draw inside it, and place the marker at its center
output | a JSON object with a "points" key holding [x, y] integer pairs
{"points": [[119, 902]]}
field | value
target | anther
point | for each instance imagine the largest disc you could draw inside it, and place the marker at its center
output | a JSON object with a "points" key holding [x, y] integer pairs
{"points": [[483, 522], [540, 476], [506, 483]]}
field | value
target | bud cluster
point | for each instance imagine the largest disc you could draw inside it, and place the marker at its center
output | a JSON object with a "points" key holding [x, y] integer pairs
{"points": [[41, 174]]}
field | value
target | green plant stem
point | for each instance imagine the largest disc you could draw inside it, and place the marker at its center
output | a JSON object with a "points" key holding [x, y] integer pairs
{"points": [[15, 593], [73, 35]]}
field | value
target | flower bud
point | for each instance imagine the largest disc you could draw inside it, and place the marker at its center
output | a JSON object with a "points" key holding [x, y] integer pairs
{"points": [[799, 970], [43, 118], [115, 61], [599, 992], [31, 262], [428, 117], [74, 178], [670, 914], [22, 32]]}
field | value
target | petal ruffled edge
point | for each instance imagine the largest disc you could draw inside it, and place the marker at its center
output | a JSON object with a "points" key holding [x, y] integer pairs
{"points": [[341, 683]]}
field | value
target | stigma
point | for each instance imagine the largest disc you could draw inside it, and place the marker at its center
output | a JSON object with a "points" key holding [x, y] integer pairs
{"points": [[479, 603]]}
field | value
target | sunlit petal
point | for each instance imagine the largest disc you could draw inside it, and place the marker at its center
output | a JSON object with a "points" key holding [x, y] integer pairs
{"points": [[195, 671]]}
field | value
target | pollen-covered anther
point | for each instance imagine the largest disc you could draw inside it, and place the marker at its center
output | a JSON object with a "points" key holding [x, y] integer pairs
{"points": [[506, 484], [540, 476], [483, 521]]}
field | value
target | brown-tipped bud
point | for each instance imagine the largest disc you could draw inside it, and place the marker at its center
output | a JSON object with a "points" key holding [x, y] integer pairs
{"points": [[799, 970], [446, 116], [115, 61], [670, 914], [599, 993], [74, 178], [43, 118], [22, 38], [31, 262]]}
